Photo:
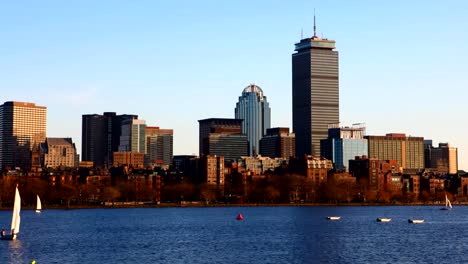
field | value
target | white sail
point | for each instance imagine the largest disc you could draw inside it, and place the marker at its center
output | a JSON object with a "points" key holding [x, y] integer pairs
{"points": [[447, 202], [16, 219], [38, 205]]}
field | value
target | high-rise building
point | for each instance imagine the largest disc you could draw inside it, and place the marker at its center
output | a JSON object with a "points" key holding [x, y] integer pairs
{"points": [[101, 137], [344, 144], [315, 92], [278, 143], [407, 151], [222, 137], [159, 145], [56, 152], [133, 136], [254, 109], [22, 130], [444, 159]]}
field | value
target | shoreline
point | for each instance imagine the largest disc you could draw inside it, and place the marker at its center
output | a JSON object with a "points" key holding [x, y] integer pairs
{"points": [[203, 205]]}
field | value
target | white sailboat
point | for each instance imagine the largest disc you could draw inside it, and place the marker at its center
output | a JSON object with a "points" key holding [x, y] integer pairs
{"points": [[38, 205], [448, 204], [15, 219], [384, 219]]}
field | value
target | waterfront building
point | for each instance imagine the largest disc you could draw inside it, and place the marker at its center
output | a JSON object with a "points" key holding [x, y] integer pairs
{"points": [[442, 159], [212, 169], [188, 166], [182, 163], [133, 136], [59, 152], [278, 143], [22, 130], [259, 165], [222, 137], [315, 92], [374, 174], [407, 151], [130, 159], [314, 168], [254, 109], [159, 146], [343, 144], [101, 137]]}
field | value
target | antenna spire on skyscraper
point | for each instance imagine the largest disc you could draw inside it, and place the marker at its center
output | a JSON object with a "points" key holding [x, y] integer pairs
{"points": [[315, 28]]}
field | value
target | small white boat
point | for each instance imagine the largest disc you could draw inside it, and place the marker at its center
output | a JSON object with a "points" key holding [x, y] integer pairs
{"points": [[15, 219], [38, 205], [381, 219], [333, 218], [416, 221], [448, 204]]}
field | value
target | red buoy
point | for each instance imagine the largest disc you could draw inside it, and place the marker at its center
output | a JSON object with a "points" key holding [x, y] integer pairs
{"points": [[240, 217]]}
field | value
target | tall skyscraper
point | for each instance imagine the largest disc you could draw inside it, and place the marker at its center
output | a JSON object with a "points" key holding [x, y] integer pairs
{"points": [[22, 130], [223, 137], [254, 109], [159, 145], [101, 137], [315, 92], [133, 136]]}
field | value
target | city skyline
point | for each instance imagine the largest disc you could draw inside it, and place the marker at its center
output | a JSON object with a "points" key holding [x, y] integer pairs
{"points": [[401, 67]]}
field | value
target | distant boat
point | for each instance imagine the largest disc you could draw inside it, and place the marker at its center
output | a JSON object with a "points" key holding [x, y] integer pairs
{"points": [[448, 204], [333, 218], [381, 219], [239, 217], [38, 205], [15, 219], [416, 221]]}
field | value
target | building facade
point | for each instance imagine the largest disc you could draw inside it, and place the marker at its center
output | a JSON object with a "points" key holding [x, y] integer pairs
{"points": [[315, 92], [133, 136], [407, 151], [131, 159], [254, 109], [278, 143], [100, 137], [22, 130], [212, 169], [314, 168], [59, 152], [222, 137], [259, 165], [159, 146], [443, 159], [344, 144]]}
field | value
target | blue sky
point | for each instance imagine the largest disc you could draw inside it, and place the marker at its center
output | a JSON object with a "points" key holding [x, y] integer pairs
{"points": [[403, 64]]}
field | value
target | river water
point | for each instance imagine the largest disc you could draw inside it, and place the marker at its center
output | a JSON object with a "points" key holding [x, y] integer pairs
{"points": [[213, 235]]}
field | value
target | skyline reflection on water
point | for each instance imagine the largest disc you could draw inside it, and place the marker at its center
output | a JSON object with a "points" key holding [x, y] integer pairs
{"points": [[212, 235]]}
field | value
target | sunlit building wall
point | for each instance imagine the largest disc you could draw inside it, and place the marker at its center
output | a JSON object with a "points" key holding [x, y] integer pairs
{"points": [[407, 151], [315, 92], [159, 147], [59, 152], [22, 130], [133, 137]]}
